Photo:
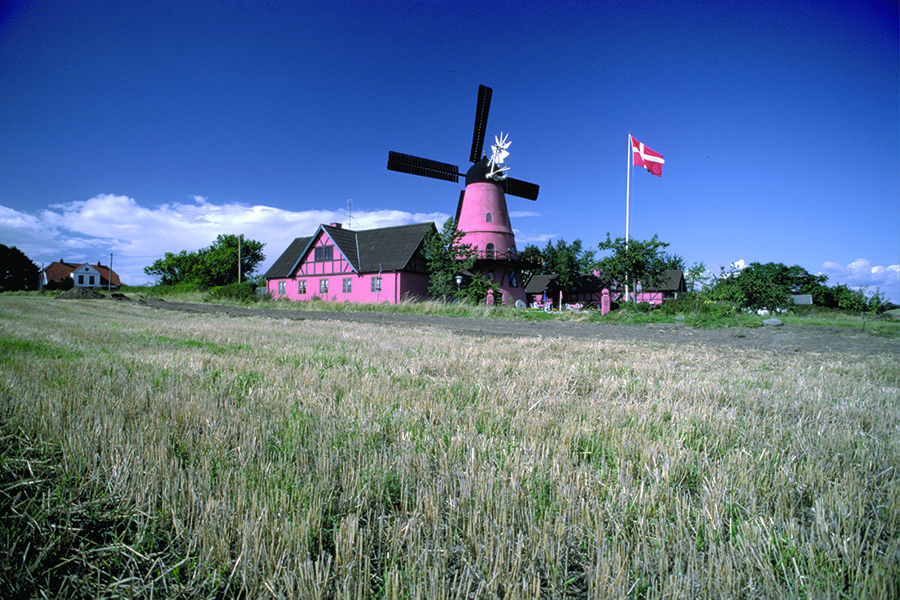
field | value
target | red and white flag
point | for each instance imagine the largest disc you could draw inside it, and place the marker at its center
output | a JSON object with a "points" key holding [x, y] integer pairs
{"points": [[647, 158]]}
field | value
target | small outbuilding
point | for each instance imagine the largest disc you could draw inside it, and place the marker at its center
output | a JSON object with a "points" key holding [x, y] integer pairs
{"points": [[586, 290]]}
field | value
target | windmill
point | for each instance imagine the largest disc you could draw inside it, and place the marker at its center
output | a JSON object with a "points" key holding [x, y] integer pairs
{"points": [[481, 212]]}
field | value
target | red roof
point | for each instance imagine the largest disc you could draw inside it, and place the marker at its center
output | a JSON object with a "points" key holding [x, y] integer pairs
{"points": [[105, 275], [57, 271]]}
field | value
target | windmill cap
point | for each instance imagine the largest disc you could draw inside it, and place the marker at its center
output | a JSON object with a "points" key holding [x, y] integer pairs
{"points": [[477, 173]]}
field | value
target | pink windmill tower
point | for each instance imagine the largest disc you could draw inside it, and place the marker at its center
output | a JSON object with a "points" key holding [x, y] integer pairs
{"points": [[482, 214]]}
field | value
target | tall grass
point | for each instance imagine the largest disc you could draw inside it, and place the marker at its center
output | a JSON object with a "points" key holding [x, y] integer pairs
{"points": [[176, 455]]}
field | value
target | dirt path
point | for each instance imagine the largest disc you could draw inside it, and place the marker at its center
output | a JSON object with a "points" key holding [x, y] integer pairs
{"points": [[787, 338]]}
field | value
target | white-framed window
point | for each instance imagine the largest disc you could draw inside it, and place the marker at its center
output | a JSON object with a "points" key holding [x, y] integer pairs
{"points": [[301, 286], [488, 218], [91, 280], [281, 285], [323, 253], [376, 283], [347, 285], [323, 286], [81, 280]]}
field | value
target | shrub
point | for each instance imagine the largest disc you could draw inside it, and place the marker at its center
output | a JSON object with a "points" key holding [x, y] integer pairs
{"points": [[178, 289], [237, 292], [639, 307]]}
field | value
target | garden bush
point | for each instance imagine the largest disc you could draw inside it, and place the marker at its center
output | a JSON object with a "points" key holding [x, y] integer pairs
{"points": [[237, 292]]}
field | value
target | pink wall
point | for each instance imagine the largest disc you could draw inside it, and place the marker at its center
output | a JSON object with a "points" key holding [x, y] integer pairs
{"points": [[651, 297], [479, 201], [394, 287]]}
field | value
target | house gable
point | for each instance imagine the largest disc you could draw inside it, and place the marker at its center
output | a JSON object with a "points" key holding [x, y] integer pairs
{"points": [[86, 276], [328, 252]]}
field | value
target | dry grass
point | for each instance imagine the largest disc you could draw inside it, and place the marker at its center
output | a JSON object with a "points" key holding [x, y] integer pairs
{"points": [[152, 454]]}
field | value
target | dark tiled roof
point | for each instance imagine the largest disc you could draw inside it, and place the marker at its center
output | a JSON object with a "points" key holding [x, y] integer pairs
{"points": [[672, 281], [539, 283], [591, 284], [289, 259], [391, 248], [346, 242], [386, 249]]}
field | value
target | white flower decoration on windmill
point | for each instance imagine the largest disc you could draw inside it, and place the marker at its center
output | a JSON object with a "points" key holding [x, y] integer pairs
{"points": [[499, 155]]}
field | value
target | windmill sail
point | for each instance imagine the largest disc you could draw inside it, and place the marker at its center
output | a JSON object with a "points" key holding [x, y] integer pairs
{"points": [[405, 163], [522, 189], [481, 116], [414, 165]]}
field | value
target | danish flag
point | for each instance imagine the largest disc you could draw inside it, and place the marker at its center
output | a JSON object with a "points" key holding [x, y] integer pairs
{"points": [[647, 158]]}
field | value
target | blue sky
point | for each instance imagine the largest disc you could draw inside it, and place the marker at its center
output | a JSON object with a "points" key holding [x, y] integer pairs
{"points": [[135, 129]]}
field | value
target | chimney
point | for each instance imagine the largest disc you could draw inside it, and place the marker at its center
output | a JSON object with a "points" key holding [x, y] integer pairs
{"points": [[336, 225]]}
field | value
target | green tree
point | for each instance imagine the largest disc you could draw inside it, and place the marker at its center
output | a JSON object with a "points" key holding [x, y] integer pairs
{"points": [[476, 290], [173, 269], [563, 260], [212, 266], [672, 262], [18, 271], [846, 298], [637, 260], [219, 264], [446, 258], [531, 254], [696, 277], [766, 286], [843, 297], [761, 287]]}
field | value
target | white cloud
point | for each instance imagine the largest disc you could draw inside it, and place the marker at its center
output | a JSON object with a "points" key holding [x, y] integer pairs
{"points": [[861, 273], [136, 235], [538, 239], [516, 214]]}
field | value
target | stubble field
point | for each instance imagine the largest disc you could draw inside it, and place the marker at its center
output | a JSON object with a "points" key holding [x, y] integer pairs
{"points": [[169, 454]]}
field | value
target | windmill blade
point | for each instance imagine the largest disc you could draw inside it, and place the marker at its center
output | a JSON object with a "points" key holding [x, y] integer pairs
{"points": [[522, 189], [405, 163], [481, 115]]}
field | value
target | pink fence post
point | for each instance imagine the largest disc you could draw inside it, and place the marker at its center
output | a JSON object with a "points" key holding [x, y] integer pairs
{"points": [[604, 302]]}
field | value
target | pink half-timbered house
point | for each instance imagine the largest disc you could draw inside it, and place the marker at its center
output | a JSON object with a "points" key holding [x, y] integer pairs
{"points": [[375, 265]]}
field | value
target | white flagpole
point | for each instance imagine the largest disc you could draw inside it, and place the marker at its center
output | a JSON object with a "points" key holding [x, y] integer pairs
{"points": [[627, 203]]}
